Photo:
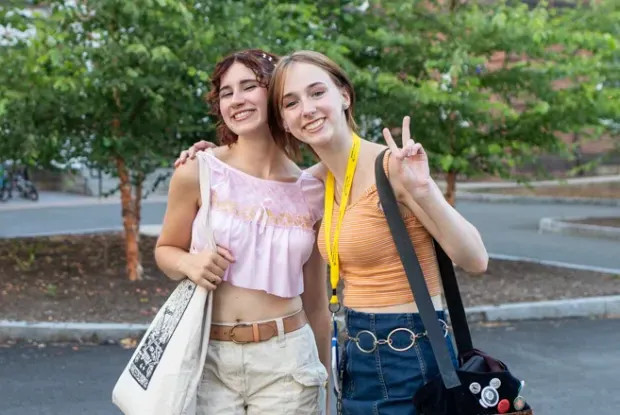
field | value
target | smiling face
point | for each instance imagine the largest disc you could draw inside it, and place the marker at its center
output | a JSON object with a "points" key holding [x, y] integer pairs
{"points": [[312, 106], [242, 101]]}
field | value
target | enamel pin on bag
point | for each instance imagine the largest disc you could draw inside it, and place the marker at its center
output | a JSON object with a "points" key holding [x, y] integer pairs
{"points": [[163, 375], [481, 385]]}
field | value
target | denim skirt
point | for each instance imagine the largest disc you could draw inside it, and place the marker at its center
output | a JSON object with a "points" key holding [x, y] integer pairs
{"points": [[381, 367]]}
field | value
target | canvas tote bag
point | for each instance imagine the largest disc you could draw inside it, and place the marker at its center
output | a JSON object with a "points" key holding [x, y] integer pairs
{"points": [[165, 370]]}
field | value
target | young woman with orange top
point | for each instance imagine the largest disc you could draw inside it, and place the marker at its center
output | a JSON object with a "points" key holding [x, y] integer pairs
{"points": [[312, 99]]}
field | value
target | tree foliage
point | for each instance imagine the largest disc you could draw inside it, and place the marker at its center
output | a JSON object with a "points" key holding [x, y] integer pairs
{"points": [[488, 87], [120, 83], [596, 33]]}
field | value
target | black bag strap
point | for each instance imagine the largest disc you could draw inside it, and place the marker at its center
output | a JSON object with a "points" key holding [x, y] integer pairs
{"points": [[454, 302], [413, 270]]}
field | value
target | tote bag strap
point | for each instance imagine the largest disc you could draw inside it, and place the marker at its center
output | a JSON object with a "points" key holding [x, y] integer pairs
{"points": [[413, 270], [204, 169]]}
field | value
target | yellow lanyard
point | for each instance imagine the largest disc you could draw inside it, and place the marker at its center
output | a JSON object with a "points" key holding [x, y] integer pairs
{"points": [[332, 249]]}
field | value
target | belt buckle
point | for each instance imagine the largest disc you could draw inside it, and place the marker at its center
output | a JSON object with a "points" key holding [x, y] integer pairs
{"points": [[232, 334]]}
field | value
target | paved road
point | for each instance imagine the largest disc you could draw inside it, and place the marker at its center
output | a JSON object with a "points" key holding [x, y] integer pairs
{"points": [[508, 229], [570, 368], [512, 229]]}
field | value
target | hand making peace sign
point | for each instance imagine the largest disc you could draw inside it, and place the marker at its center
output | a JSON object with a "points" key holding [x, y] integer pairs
{"points": [[414, 172]]}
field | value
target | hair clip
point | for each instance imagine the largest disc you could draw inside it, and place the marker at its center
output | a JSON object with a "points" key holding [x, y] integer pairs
{"points": [[267, 57]]}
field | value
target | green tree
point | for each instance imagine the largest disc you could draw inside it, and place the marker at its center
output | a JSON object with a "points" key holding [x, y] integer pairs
{"points": [[23, 96], [596, 34], [124, 83], [480, 81]]}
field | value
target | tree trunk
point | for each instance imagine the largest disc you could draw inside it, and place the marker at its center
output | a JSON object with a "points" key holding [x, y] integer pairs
{"points": [[130, 224], [450, 194], [578, 154], [138, 201]]}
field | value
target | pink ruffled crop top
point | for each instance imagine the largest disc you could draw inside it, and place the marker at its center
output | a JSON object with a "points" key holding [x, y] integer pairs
{"points": [[267, 226]]}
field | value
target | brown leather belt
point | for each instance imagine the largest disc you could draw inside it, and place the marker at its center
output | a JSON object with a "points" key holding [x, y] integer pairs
{"points": [[243, 333]]}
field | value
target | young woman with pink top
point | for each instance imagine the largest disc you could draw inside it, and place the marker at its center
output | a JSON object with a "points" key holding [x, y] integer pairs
{"points": [[269, 342]]}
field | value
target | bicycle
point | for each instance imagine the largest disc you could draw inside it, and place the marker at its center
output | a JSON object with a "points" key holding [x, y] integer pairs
{"points": [[5, 192], [17, 181]]}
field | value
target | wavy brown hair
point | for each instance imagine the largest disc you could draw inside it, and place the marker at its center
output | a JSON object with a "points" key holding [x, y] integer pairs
{"points": [[262, 63]]}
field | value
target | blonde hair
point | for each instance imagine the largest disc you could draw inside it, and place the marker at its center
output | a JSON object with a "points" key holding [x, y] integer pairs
{"points": [[276, 88]]}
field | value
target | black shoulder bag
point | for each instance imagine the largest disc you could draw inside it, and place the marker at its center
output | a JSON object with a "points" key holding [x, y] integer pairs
{"points": [[481, 385]]}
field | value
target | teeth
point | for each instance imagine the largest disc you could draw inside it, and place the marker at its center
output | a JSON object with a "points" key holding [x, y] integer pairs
{"points": [[315, 124], [242, 115]]}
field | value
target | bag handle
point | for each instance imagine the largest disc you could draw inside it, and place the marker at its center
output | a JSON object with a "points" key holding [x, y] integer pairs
{"points": [[454, 302], [204, 171], [417, 283]]}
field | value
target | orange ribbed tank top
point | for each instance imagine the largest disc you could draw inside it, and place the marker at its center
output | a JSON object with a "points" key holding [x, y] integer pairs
{"points": [[370, 266]]}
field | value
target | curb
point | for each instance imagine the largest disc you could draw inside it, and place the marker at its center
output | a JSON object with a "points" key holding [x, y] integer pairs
{"points": [[563, 226], [77, 203], [147, 230], [603, 270], [598, 307], [150, 230], [608, 178], [589, 307], [68, 331], [495, 198]]}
